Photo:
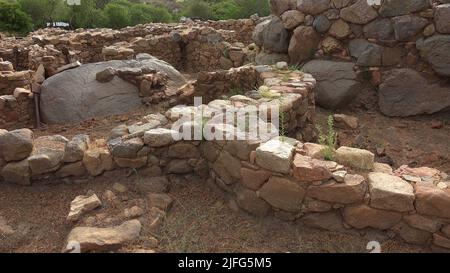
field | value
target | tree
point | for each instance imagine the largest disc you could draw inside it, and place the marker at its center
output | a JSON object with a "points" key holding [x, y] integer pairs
{"points": [[197, 9], [84, 15], [144, 13], [227, 9], [250, 7], [44, 11], [159, 14], [13, 19], [117, 14]]}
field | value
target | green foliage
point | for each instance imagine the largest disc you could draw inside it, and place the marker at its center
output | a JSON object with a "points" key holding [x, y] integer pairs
{"points": [[295, 67], [119, 13], [44, 11], [225, 9], [234, 91], [84, 15], [329, 140], [250, 7], [286, 78], [142, 13], [198, 9], [13, 19]]}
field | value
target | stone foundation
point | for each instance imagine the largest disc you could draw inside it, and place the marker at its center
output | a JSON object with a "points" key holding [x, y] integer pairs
{"points": [[194, 46], [16, 102], [277, 177]]}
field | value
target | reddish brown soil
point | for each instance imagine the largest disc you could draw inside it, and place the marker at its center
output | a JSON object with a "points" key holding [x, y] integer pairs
{"points": [[406, 141], [199, 221]]}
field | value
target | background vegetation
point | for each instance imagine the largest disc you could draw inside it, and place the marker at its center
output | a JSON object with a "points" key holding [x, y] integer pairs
{"points": [[22, 16]]}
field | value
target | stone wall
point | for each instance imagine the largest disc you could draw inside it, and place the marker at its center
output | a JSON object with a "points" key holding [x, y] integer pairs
{"points": [[291, 180], [16, 102], [10, 79], [193, 46], [401, 46], [275, 176], [242, 29], [17, 110], [26, 159], [220, 84]]}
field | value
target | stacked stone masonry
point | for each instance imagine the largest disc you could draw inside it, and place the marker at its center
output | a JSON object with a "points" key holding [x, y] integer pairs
{"points": [[278, 176], [401, 46], [16, 101], [192, 46]]}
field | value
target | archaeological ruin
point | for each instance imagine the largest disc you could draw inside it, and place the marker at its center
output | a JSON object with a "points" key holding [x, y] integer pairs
{"points": [[77, 105]]}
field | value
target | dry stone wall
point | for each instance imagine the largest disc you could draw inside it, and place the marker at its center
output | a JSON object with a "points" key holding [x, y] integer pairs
{"points": [[26, 159], [401, 46], [192, 45], [16, 102], [280, 176]]}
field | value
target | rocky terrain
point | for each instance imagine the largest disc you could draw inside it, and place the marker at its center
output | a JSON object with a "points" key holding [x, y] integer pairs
{"points": [[97, 155]]}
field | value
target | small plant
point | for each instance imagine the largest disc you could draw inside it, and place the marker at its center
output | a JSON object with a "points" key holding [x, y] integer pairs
{"points": [[295, 67], [235, 91], [328, 140], [265, 92], [282, 123], [285, 78]]}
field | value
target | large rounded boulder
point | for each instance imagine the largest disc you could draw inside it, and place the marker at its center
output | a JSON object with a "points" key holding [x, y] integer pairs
{"points": [[337, 82], [75, 95]]}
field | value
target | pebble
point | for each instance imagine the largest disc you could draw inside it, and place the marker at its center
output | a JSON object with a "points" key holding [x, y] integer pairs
{"points": [[119, 187], [339, 176]]}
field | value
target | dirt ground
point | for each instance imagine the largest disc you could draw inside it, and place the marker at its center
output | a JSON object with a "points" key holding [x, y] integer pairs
{"points": [[199, 221], [413, 141]]}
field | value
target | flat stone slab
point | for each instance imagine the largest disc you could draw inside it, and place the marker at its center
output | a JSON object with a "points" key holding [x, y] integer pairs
{"points": [[363, 216], [390, 192], [88, 239], [433, 201], [275, 155], [352, 190], [82, 204], [160, 137], [308, 169], [283, 194], [16, 145], [356, 158]]}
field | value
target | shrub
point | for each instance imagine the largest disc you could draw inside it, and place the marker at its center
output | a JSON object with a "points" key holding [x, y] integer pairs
{"points": [[13, 19], [44, 11], [117, 15], [144, 13], [227, 9], [250, 7], [198, 9]]}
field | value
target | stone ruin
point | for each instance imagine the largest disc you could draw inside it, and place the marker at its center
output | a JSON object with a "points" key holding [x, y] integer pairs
{"points": [[287, 177], [196, 47], [400, 47]]}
